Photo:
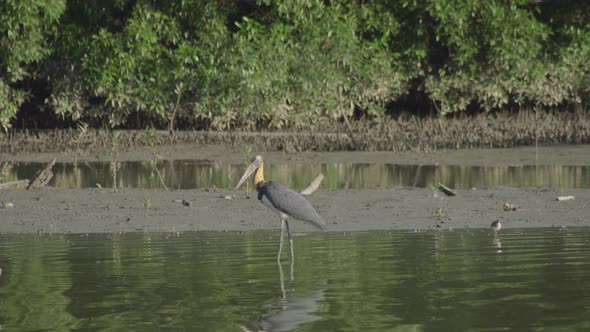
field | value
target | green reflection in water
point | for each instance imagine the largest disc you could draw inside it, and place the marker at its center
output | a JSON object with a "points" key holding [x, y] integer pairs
{"points": [[35, 276], [397, 281], [183, 174]]}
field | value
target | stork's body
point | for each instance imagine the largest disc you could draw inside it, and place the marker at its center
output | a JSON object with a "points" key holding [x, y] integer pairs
{"points": [[287, 202]]}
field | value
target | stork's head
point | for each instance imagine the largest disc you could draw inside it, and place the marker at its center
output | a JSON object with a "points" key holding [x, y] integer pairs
{"points": [[255, 164]]}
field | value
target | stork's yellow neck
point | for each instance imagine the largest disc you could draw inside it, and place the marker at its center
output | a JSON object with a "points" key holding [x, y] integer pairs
{"points": [[259, 175]]}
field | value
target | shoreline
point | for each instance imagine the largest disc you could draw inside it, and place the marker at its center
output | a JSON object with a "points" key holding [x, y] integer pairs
{"points": [[570, 155], [96, 210], [99, 210], [403, 133]]}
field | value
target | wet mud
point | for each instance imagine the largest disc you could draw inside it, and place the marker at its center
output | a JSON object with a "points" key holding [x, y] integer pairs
{"points": [[142, 210], [100, 210]]}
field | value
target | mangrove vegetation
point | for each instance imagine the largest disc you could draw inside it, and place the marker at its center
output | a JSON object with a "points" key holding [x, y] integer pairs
{"points": [[273, 65]]}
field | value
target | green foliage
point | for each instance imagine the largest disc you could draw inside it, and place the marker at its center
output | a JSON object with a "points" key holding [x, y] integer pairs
{"points": [[148, 135], [135, 70], [26, 28], [495, 53], [501, 52], [147, 203], [150, 65], [315, 61], [287, 64]]}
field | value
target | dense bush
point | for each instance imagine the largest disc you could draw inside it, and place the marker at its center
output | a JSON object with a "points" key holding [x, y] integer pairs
{"points": [[286, 64], [26, 29], [500, 53], [311, 62]]}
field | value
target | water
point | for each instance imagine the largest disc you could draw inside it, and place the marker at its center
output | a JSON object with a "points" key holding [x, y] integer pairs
{"points": [[187, 174], [527, 279]]}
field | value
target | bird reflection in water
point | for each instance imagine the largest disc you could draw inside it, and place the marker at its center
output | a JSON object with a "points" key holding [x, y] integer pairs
{"points": [[498, 244], [496, 226], [291, 313]]}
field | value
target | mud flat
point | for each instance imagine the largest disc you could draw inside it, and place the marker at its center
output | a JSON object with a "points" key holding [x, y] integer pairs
{"points": [[572, 155], [102, 210]]}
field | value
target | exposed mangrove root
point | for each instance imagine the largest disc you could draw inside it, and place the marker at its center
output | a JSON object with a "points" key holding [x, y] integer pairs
{"points": [[389, 134]]}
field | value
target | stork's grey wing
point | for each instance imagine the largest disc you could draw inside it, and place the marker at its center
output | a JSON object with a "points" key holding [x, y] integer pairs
{"points": [[291, 202]]}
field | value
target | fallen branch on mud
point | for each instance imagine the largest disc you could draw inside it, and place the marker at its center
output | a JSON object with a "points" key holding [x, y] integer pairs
{"points": [[42, 177], [20, 184]]}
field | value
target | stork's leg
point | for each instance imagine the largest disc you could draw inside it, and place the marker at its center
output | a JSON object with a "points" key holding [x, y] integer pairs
{"points": [[290, 241], [281, 240], [282, 280]]}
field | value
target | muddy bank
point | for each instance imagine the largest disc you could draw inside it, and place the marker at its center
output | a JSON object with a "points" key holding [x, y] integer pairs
{"points": [[101, 210], [404, 133], [572, 155]]}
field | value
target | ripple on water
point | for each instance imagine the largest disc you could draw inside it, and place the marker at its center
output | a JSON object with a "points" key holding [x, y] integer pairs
{"points": [[386, 280]]}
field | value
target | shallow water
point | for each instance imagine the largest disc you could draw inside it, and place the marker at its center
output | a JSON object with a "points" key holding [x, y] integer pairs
{"points": [[526, 279], [187, 174]]}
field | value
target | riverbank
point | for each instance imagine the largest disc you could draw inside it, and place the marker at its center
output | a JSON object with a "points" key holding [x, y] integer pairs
{"points": [[571, 155], [130, 210], [101, 210], [399, 134]]}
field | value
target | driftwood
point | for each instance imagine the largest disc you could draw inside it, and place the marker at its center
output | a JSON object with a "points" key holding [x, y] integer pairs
{"points": [[446, 190], [20, 184], [313, 185], [565, 198], [42, 177], [510, 207]]}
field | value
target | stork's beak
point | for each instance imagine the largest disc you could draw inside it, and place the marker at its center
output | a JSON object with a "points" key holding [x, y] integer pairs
{"points": [[251, 169]]}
